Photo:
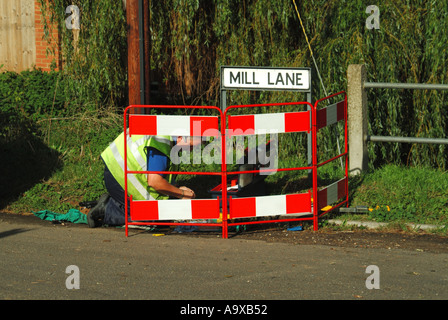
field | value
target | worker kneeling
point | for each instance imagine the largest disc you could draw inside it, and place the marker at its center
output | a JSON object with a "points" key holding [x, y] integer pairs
{"points": [[145, 153]]}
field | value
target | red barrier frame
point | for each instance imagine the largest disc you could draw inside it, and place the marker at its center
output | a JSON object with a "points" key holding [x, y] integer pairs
{"points": [[315, 124], [302, 128], [142, 130], [344, 154]]}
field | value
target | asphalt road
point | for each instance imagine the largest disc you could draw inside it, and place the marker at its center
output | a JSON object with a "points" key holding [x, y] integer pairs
{"points": [[35, 254]]}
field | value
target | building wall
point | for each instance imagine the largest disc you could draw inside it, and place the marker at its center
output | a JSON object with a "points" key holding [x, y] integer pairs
{"points": [[46, 52]]}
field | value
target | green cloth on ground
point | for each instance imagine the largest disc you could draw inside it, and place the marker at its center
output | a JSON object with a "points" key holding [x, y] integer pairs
{"points": [[72, 215]]}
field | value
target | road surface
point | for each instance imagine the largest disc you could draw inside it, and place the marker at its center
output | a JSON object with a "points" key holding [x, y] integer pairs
{"points": [[35, 256]]}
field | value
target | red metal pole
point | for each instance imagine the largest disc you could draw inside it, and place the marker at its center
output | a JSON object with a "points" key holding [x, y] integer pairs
{"points": [[346, 146], [224, 177], [314, 160], [125, 172]]}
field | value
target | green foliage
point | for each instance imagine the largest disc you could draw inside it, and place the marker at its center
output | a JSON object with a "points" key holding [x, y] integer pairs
{"points": [[400, 194], [94, 69], [32, 93], [193, 38], [77, 144], [25, 98]]}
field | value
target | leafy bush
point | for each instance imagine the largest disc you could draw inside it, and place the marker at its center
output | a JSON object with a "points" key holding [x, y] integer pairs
{"points": [[95, 66], [32, 93]]}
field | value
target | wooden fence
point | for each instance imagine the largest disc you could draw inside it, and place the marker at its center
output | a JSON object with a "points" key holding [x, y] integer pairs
{"points": [[22, 46], [17, 35]]}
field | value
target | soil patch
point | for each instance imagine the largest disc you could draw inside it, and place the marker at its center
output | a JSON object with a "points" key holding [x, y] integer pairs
{"points": [[356, 239], [359, 238]]}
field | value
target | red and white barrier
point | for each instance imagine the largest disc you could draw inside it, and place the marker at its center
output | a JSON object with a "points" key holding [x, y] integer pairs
{"points": [[332, 193], [174, 209], [173, 125], [290, 204], [269, 122], [330, 115], [297, 207]]}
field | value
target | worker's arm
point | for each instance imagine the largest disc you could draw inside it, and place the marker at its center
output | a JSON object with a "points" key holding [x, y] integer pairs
{"points": [[162, 186], [157, 161]]}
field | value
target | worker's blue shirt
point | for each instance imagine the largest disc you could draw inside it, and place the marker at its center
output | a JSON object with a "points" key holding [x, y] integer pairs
{"points": [[157, 161]]}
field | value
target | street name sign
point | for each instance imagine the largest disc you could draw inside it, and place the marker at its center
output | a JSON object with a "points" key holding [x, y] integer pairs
{"points": [[265, 78]]}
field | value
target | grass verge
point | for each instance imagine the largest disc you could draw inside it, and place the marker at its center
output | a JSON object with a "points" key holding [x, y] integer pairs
{"points": [[398, 195], [75, 173], [70, 148]]}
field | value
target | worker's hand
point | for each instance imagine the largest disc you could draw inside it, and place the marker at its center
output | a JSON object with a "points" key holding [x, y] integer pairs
{"points": [[188, 193]]}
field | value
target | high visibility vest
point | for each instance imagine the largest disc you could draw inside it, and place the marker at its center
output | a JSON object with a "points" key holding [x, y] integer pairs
{"points": [[113, 157]]}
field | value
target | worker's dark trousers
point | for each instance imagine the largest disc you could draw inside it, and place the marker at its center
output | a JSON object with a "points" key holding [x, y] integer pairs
{"points": [[115, 209]]}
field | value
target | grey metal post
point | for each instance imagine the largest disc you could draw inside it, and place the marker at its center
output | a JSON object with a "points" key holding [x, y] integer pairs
{"points": [[410, 86], [407, 140], [223, 100], [357, 119]]}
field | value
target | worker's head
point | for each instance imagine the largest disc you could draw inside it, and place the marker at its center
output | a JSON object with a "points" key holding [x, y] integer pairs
{"points": [[188, 141]]}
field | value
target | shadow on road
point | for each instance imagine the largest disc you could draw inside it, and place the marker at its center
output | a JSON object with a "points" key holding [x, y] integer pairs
{"points": [[12, 232]]}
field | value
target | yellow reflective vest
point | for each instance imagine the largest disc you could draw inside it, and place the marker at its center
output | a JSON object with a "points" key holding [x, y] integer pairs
{"points": [[113, 157]]}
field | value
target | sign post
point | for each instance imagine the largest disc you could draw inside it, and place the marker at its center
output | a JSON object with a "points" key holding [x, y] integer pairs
{"points": [[267, 79]]}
